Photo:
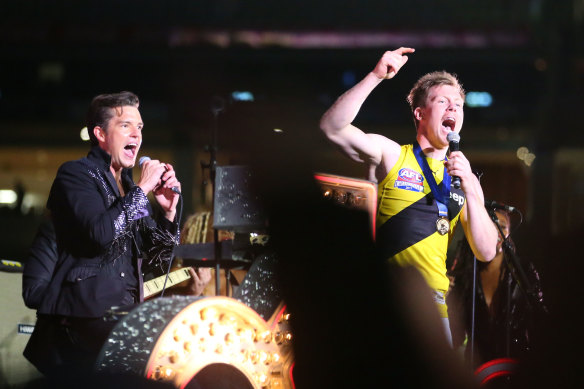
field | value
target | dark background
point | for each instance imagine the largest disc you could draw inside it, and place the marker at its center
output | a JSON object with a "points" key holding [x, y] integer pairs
{"points": [[184, 57]]}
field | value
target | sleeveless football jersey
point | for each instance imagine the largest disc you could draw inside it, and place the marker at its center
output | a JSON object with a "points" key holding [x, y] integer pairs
{"points": [[406, 218]]}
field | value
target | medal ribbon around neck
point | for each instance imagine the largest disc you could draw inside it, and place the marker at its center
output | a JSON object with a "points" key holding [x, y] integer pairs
{"points": [[441, 192]]}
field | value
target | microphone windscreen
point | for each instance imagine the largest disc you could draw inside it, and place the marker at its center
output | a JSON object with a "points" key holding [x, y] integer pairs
{"points": [[143, 159], [453, 137]]}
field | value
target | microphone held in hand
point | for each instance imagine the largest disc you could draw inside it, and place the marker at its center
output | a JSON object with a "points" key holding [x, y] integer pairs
{"points": [[453, 142], [145, 158], [495, 205]]}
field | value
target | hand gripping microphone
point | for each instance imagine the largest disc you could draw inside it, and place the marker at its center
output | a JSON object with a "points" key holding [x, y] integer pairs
{"points": [[145, 158], [453, 139]]}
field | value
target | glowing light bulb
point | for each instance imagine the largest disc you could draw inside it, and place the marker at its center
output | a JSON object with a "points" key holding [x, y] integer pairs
{"points": [[522, 152], [173, 357], [246, 334], [529, 158], [212, 329], [7, 196], [209, 313], [263, 357], [254, 356], [279, 337], [265, 336], [262, 379], [84, 134], [230, 338]]}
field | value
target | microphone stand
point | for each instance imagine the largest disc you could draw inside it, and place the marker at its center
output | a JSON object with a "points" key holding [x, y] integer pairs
{"points": [[217, 106], [518, 274], [473, 309], [479, 175]]}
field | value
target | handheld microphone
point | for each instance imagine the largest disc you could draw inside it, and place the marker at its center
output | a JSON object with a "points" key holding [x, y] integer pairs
{"points": [[453, 142], [495, 205], [145, 158]]}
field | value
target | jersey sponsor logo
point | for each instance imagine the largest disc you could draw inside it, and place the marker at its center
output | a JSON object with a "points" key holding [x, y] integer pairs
{"points": [[409, 179], [458, 198]]}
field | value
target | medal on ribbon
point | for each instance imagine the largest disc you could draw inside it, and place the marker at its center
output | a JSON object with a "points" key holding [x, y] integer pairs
{"points": [[442, 225], [440, 192]]}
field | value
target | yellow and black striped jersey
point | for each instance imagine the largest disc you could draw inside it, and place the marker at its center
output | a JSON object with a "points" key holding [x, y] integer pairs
{"points": [[406, 218]]}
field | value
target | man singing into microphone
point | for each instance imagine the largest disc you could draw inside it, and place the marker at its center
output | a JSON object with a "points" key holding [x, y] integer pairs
{"points": [[418, 209], [105, 229]]}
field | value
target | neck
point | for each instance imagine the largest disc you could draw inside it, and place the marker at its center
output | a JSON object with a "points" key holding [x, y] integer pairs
{"points": [[495, 263], [429, 150], [118, 177], [116, 172]]}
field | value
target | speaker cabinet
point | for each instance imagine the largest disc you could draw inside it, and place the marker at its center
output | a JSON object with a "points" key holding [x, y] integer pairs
{"points": [[236, 204], [16, 324]]}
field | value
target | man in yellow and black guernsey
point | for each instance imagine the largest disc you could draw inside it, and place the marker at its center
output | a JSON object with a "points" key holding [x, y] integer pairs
{"points": [[418, 207]]}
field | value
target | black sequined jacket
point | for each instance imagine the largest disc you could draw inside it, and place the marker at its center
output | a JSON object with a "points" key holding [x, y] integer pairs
{"points": [[39, 265], [102, 238]]}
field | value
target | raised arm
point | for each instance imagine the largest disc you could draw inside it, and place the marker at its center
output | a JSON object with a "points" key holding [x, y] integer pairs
{"points": [[336, 122]]}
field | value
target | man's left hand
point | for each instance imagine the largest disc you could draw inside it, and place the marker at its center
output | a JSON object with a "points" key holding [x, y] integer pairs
{"points": [[164, 194], [200, 277], [458, 165]]}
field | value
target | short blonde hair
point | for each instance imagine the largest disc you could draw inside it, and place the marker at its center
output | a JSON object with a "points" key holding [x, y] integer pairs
{"points": [[419, 92]]}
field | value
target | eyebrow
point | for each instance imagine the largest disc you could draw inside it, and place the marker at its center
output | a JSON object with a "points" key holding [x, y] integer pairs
{"points": [[130, 122], [458, 98]]}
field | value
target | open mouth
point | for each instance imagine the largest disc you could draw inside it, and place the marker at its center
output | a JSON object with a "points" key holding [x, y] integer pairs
{"points": [[131, 149], [449, 123]]}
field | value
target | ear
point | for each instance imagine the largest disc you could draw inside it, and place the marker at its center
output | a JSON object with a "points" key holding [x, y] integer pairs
{"points": [[418, 113], [99, 133]]}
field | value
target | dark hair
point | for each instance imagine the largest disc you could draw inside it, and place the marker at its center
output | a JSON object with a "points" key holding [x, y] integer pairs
{"points": [[464, 258], [419, 92], [101, 110]]}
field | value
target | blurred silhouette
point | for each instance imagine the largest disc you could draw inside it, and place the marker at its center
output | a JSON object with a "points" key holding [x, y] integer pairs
{"points": [[556, 360], [20, 191]]}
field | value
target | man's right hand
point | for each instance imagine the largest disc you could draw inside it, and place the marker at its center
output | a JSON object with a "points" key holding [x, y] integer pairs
{"points": [[151, 174], [391, 63]]}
